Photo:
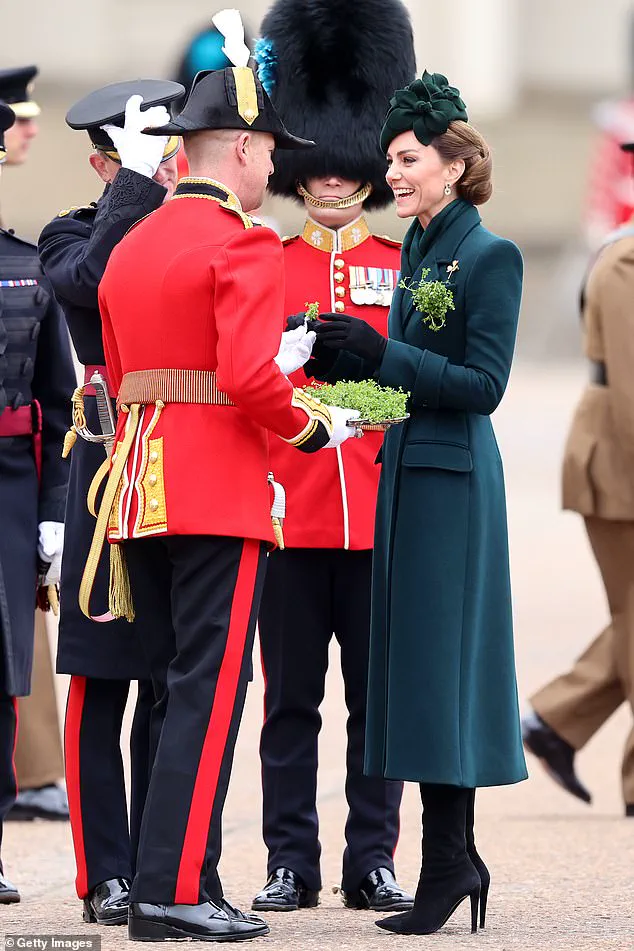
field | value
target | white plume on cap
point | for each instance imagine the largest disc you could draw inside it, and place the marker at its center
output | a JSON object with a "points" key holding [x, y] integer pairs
{"points": [[229, 23]]}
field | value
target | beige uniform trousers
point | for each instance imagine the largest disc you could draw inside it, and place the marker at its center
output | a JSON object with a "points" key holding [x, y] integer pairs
{"points": [[38, 753], [576, 704]]}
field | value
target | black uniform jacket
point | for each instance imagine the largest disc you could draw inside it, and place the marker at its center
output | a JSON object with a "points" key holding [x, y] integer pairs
{"points": [[74, 250], [35, 365]]}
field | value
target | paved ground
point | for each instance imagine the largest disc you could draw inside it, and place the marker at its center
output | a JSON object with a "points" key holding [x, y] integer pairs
{"points": [[562, 871]]}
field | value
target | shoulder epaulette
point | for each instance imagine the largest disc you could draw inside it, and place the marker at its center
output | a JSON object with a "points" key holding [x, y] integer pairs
{"points": [[288, 238], [10, 233], [244, 218], [74, 208], [391, 242]]}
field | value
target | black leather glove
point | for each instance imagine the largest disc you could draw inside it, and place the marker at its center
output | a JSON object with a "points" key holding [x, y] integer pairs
{"points": [[293, 321], [322, 359], [342, 332]]}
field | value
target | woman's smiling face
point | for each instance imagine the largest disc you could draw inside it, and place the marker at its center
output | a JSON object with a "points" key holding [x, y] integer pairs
{"points": [[417, 175]]}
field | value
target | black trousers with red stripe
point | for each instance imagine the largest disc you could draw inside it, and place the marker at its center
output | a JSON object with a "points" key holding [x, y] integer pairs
{"points": [[198, 598], [8, 736], [310, 594], [105, 846]]}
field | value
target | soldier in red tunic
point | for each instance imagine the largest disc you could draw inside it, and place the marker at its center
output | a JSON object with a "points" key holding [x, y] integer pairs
{"points": [[331, 499], [192, 303]]}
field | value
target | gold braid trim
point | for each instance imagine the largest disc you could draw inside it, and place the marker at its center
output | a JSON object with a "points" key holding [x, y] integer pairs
{"points": [[79, 420], [120, 598]]}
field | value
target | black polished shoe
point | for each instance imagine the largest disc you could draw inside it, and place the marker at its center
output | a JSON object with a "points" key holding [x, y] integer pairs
{"points": [[48, 802], [556, 756], [107, 903], [284, 891], [205, 922], [9, 894], [379, 891]]}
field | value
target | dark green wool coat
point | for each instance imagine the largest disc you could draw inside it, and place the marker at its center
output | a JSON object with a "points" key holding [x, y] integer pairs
{"points": [[442, 695]]}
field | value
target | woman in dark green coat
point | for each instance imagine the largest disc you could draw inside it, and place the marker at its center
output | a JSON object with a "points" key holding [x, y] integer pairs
{"points": [[442, 702]]}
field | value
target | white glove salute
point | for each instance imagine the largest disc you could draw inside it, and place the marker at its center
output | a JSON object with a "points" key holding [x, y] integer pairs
{"points": [[296, 347], [49, 547], [139, 152], [340, 430]]}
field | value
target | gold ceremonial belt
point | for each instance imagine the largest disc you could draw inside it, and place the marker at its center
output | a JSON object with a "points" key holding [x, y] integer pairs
{"points": [[171, 386]]}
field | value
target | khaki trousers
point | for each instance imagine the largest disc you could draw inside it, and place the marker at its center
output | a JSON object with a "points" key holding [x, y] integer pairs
{"points": [[576, 704], [38, 754]]}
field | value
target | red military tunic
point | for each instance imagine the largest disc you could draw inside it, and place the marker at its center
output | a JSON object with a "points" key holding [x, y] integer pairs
{"points": [[195, 286], [331, 497]]}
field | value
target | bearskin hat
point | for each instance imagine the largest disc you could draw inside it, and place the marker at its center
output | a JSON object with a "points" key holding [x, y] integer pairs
{"points": [[330, 68]]}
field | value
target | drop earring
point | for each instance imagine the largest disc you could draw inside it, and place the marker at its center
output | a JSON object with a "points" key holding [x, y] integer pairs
{"points": [[447, 189]]}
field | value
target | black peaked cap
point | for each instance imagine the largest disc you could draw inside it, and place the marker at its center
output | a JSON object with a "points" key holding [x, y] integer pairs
{"points": [[15, 90], [106, 106]]}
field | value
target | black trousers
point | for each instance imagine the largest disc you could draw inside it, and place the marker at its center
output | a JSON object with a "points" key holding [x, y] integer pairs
{"points": [[309, 594], [198, 599], [8, 735], [104, 845]]}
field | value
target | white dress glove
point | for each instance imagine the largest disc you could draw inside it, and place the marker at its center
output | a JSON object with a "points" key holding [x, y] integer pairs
{"points": [[139, 152], [340, 430], [296, 347], [49, 547]]}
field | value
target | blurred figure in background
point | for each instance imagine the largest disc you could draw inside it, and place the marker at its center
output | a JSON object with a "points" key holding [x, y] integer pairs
{"points": [[36, 382], [331, 70], [38, 756], [139, 172], [598, 482]]}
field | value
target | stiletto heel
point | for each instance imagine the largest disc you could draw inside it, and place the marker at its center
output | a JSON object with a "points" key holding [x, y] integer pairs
{"points": [[475, 900], [484, 894]]}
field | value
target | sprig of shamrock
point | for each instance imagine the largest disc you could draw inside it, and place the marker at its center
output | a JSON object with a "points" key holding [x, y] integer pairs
{"points": [[431, 298]]}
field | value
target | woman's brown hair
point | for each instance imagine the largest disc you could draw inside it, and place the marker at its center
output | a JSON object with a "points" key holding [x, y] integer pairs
{"points": [[462, 141]]}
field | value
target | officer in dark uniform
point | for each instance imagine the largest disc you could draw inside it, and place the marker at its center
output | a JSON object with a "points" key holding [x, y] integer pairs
{"points": [[36, 381], [140, 174], [16, 89]]}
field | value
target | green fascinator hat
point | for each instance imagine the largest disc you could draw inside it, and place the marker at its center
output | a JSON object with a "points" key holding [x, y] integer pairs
{"points": [[426, 107]]}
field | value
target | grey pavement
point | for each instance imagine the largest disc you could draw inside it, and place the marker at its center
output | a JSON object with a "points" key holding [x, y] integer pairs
{"points": [[561, 871]]}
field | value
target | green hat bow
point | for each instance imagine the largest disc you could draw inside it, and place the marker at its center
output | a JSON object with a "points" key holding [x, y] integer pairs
{"points": [[426, 107]]}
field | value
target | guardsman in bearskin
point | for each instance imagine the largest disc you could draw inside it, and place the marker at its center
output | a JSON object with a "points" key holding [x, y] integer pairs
{"points": [[140, 174], [598, 483], [36, 381], [331, 68], [192, 308]]}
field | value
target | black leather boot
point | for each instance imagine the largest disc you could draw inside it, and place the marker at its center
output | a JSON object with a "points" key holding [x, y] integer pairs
{"points": [[554, 753], [284, 891], [9, 894], [482, 870], [448, 875], [107, 903], [204, 922], [378, 891]]}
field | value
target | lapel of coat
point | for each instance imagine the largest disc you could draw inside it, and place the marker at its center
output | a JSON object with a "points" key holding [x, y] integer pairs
{"points": [[443, 252]]}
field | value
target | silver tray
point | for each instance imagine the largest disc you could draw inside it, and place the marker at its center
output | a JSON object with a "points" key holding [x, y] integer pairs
{"points": [[367, 426]]}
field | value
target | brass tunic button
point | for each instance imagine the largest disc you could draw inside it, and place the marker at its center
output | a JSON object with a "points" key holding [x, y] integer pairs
{"points": [[153, 479], [340, 291], [339, 262], [339, 306], [154, 504], [339, 277], [153, 456]]}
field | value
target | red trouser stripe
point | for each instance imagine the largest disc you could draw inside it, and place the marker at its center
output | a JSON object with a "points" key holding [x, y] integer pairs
{"points": [[206, 784], [72, 727]]}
